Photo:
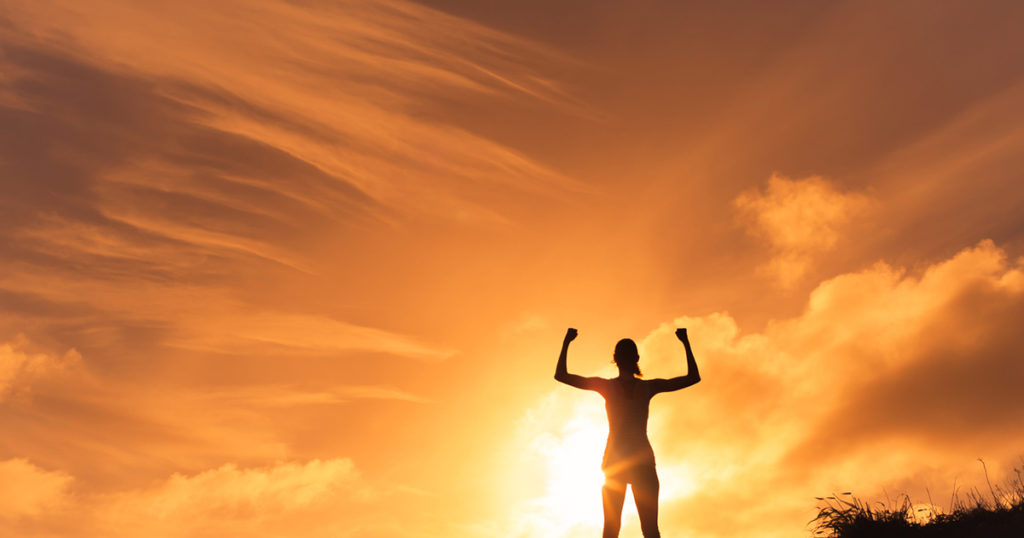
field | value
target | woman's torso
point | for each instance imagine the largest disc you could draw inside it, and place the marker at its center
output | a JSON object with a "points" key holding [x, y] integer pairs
{"points": [[627, 402]]}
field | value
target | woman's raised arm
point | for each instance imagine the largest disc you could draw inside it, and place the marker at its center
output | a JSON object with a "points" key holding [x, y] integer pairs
{"points": [[692, 376], [562, 369]]}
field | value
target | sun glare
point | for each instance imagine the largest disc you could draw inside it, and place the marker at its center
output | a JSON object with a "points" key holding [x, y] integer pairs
{"points": [[574, 476], [571, 450]]}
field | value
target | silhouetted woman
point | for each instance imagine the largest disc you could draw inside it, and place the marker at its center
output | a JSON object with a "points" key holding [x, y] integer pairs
{"points": [[628, 456]]}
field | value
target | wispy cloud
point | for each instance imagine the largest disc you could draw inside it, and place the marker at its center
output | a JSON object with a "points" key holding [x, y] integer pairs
{"points": [[289, 396], [51, 399], [241, 333], [133, 154], [153, 184]]}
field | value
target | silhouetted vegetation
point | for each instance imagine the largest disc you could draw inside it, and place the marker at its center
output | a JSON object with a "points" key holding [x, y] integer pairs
{"points": [[997, 514]]}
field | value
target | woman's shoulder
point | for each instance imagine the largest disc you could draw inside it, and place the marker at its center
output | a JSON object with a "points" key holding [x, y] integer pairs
{"points": [[628, 388]]}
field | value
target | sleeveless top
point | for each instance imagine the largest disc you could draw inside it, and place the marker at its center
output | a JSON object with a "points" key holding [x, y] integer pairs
{"points": [[627, 404]]}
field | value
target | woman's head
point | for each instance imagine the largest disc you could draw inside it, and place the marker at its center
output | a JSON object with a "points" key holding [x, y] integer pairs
{"points": [[626, 357]]}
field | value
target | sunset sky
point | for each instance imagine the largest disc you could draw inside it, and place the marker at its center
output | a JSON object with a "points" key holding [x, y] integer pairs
{"points": [[301, 268]]}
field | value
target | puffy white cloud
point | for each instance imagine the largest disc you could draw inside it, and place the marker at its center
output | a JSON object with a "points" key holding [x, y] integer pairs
{"points": [[799, 219], [283, 487], [19, 366], [886, 378], [316, 498], [231, 500], [29, 491]]}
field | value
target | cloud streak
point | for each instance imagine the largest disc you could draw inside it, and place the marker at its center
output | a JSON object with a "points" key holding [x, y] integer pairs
{"points": [[154, 184]]}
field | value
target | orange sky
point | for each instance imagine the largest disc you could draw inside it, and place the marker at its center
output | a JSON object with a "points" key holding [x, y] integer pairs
{"points": [[275, 268]]}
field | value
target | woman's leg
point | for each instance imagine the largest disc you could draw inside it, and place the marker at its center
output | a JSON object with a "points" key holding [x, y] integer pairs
{"points": [[613, 493], [645, 493]]}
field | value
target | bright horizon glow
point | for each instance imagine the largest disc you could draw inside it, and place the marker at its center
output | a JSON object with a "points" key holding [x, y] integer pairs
{"points": [[574, 476]]}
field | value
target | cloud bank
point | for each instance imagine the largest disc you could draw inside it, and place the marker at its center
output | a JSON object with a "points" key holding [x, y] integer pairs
{"points": [[887, 379], [27, 491]]}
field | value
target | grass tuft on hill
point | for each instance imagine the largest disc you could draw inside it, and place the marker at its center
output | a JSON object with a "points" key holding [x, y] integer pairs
{"points": [[998, 514]]}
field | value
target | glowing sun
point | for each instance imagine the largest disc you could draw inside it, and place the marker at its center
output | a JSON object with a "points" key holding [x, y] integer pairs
{"points": [[574, 476]]}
